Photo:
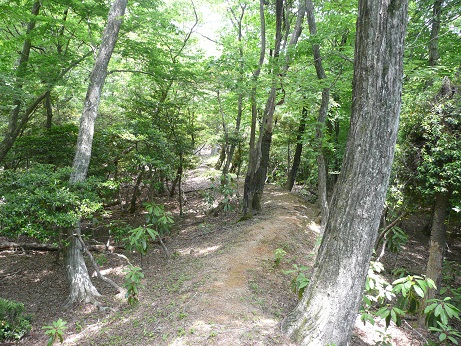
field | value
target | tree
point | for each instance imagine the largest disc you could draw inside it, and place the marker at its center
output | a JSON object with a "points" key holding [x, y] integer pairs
{"points": [[259, 153], [81, 287], [327, 311]]}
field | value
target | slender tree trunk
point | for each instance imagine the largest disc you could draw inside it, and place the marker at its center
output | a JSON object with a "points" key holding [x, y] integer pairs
{"points": [[257, 170], [49, 110], [16, 122], [81, 287], [328, 309], [434, 55], [253, 160], [134, 196], [298, 151], [321, 119], [438, 240], [237, 22]]}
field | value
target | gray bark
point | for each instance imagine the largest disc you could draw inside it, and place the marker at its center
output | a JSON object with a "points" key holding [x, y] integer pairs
{"points": [[328, 309], [81, 287]]}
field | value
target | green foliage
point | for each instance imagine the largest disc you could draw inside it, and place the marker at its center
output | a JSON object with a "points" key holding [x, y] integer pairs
{"points": [[396, 239], [223, 191], [54, 146], [377, 290], [429, 150], [55, 331], [411, 291], [39, 202], [132, 283], [446, 333], [157, 218], [13, 323], [439, 312], [158, 223], [138, 238], [279, 255], [299, 281]]}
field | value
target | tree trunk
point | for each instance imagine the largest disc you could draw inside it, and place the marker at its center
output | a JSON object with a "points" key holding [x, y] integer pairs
{"points": [[237, 22], [298, 151], [434, 55], [328, 309], [81, 287], [257, 170], [253, 160], [321, 119], [134, 196], [15, 122], [49, 110], [437, 244]]}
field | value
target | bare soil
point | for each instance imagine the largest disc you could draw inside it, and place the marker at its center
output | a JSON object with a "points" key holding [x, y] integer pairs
{"points": [[222, 285]]}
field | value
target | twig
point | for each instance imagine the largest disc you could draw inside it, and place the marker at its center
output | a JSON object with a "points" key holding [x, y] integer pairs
{"points": [[413, 329], [167, 253]]}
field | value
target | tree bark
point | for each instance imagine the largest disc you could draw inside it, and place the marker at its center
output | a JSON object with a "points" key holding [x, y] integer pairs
{"points": [[81, 287], [298, 150], [434, 55], [321, 119], [438, 241], [253, 160], [328, 309], [257, 169]]}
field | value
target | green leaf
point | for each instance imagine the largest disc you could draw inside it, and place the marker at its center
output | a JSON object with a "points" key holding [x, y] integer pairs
{"points": [[442, 336], [418, 291], [453, 340]]}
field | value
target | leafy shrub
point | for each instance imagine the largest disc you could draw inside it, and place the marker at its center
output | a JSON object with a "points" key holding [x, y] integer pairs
{"points": [[132, 284], [13, 323], [39, 202], [55, 331], [300, 281]]}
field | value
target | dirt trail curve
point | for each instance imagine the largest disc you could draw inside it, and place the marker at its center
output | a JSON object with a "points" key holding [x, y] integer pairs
{"points": [[235, 307]]}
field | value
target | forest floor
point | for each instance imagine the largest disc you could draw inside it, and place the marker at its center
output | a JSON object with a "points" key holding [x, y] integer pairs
{"points": [[222, 285]]}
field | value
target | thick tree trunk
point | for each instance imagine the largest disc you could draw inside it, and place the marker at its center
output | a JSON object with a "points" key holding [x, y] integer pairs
{"points": [[81, 287], [328, 309]]}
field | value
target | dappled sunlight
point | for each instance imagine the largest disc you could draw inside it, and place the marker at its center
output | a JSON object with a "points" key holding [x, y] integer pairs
{"points": [[119, 271], [374, 334], [92, 329], [314, 227], [199, 251], [217, 333]]}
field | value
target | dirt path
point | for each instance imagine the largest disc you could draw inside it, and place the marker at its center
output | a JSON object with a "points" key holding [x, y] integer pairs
{"points": [[221, 287], [233, 308]]}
